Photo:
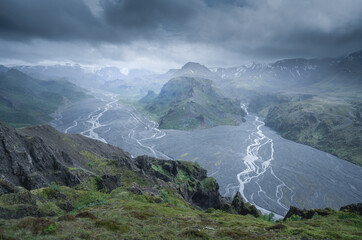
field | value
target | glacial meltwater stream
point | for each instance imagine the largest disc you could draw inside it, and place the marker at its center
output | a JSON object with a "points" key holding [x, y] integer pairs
{"points": [[271, 172]]}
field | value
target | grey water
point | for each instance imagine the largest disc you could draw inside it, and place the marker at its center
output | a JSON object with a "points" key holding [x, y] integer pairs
{"points": [[270, 171]]}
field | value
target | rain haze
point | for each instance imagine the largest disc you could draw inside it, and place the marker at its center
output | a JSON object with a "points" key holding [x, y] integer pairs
{"points": [[159, 34], [188, 113]]}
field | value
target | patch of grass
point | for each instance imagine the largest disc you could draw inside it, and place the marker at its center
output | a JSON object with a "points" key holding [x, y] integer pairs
{"points": [[38, 225], [209, 184], [128, 177], [268, 217], [99, 164], [294, 218], [194, 234], [112, 226], [347, 215], [159, 168]]}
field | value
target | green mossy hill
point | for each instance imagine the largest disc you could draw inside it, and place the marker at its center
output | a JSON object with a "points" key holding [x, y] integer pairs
{"points": [[330, 124], [125, 214], [188, 103], [27, 101]]}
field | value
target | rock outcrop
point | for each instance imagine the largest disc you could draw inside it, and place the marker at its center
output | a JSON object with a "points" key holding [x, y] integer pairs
{"points": [[307, 214], [353, 208], [35, 161]]}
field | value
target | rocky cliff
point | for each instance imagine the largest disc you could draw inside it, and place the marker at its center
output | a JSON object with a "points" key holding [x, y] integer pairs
{"points": [[36, 157], [61, 186]]}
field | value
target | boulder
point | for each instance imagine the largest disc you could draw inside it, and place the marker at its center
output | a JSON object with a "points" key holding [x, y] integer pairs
{"points": [[107, 183]]}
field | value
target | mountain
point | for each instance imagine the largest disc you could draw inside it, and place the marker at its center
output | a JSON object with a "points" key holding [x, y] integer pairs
{"points": [[73, 73], [26, 101], [332, 125], [330, 76], [191, 102], [109, 73], [137, 82], [192, 69], [62, 186]]}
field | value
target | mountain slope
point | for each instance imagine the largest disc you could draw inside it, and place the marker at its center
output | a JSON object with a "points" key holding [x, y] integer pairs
{"points": [[190, 102], [329, 124], [26, 101], [61, 186], [34, 157]]}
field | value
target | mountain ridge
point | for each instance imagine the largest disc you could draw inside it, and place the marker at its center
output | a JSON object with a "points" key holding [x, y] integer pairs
{"points": [[25, 100], [188, 103]]}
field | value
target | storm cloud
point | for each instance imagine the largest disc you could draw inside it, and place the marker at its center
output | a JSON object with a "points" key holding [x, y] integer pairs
{"points": [[172, 32]]}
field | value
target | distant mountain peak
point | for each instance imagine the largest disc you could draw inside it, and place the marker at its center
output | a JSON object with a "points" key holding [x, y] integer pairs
{"points": [[193, 65], [193, 69]]}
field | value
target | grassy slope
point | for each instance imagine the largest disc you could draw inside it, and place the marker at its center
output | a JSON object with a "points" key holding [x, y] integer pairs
{"points": [[330, 124], [124, 215], [26, 101]]}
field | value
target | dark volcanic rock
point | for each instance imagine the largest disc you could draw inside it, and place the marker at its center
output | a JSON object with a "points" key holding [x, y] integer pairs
{"points": [[307, 214], [135, 189], [355, 208], [6, 187], [244, 208], [108, 183], [194, 185], [35, 157]]}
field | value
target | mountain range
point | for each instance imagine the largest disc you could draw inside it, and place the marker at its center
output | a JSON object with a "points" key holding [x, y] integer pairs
{"points": [[27, 101]]}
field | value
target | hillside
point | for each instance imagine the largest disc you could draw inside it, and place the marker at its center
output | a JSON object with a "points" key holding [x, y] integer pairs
{"points": [[316, 102], [189, 102], [329, 124], [27, 101], [61, 186]]}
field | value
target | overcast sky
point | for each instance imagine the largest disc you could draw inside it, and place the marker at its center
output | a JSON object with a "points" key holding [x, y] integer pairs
{"points": [[163, 34]]}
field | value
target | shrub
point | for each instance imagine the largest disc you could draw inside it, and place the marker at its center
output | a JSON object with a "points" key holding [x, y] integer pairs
{"points": [[295, 218], [54, 186], [165, 197], [268, 217], [347, 215], [50, 229]]}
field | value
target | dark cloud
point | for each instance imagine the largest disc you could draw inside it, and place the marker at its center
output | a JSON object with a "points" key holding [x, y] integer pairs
{"points": [[148, 15], [118, 20], [214, 31], [55, 20]]}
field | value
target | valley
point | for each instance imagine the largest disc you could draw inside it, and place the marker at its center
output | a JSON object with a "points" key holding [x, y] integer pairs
{"points": [[270, 171], [162, 120]]}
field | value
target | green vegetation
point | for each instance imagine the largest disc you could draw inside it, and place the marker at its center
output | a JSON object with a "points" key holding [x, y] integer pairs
{"points": [[101, 165], [330, 124], [26, 101], [209, 184], [130, 216], [188, 103]]}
